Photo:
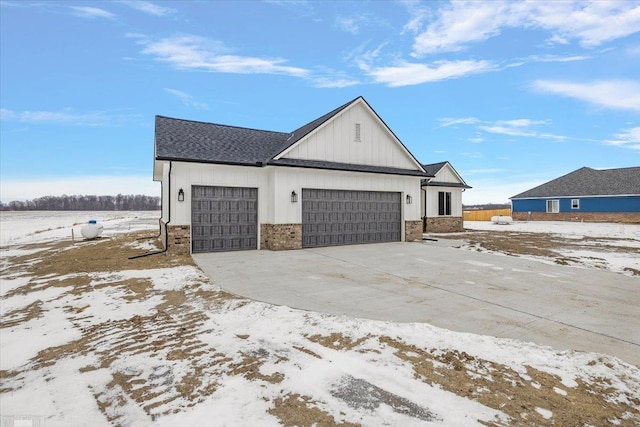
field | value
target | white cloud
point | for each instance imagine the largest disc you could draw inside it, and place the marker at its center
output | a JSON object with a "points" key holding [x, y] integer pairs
{"points": [[448, 121], [149, 8], [91, 12], [347, 24], [458, 24], [406, 73], [66, 117], [188, 52], [614, 94], [520, 128], [628, 138], [187, 99], [26, 189]]}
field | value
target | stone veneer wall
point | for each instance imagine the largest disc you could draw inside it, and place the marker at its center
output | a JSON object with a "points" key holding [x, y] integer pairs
{"points": [[280, 237], [412, 231], [630, 217], [179, 239], [445, 224]]}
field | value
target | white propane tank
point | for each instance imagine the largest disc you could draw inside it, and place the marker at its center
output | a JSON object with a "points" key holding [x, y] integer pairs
{"points": [[502, 220], [91, 230]]}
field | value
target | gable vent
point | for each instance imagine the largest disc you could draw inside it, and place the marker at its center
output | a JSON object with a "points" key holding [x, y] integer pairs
{"points": [[358, 132]]}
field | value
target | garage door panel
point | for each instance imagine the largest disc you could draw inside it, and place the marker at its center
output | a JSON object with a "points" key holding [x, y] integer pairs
{"points": [[224, 219], [344, 217]]}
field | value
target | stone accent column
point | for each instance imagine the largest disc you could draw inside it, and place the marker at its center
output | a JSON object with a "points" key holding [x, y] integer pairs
{"points": [[412, 231], [280, 237], [179, 239], [445, 224]]}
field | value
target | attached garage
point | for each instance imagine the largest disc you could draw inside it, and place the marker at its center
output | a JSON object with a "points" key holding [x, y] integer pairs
{"points": [[342, 179], [224, 218], [343, 217]]}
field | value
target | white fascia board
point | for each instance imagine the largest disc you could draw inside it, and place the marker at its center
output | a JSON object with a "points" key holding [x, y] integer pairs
{"points": [[574, 197]]}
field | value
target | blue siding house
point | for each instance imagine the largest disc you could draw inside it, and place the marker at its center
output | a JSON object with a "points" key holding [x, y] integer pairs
{"points": [[586, 194]]}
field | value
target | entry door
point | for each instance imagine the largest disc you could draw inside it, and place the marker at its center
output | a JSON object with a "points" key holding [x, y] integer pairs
{"points": [[224, 218], [346, 217]]}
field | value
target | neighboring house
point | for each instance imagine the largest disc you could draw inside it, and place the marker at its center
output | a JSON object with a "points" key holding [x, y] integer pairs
{"points": [[441, 199], [586, 194], [344, 178]]}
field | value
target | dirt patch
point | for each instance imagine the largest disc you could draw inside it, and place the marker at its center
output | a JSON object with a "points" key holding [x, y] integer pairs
{"points": [[294, 410], [546, 245], [337, 341], [15, 317], [500, 387], [99, 255]]}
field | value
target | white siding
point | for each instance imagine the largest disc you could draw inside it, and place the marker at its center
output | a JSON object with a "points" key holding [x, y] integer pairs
{"points": [[294, 179], [446, 174], [275, 185], [335, 142], [432, 201]]}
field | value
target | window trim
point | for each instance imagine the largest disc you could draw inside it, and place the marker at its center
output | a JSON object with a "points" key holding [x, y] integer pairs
{"points": [[575, 203], [554, 203], [444, 203]]}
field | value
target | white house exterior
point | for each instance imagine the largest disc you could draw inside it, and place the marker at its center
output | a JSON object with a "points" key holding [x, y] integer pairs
{"points": [[441, 199], [344, 178]]}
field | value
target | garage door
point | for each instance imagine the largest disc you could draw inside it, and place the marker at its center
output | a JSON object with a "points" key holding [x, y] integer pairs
{"points": [[340, 217], [224, 219]]}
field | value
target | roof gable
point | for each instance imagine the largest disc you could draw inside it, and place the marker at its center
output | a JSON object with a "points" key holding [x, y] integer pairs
{"points": [[332, 138], [444, 175], [193, 141], [589, 182]]}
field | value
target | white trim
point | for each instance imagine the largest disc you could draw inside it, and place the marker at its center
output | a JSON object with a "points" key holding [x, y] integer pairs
{"points": [[575, 197]]}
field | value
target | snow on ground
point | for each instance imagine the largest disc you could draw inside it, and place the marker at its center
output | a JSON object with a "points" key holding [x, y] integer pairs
{"points": [[20, 227], [605, 246], [162, 346], [567, 229]]}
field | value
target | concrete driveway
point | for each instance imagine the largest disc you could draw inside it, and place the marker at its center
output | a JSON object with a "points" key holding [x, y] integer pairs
{"points": [[460, 290]]}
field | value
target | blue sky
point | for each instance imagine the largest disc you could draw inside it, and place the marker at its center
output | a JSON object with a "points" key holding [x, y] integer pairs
{"points": [[513, 94]]}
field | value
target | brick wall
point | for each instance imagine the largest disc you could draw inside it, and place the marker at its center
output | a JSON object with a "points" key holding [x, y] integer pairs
{"points": [[631, 217], [280, 237], [179, 239], [445, 224], [412, 231]]}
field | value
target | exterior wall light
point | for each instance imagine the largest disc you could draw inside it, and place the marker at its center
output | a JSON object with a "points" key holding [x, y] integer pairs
{"points": [[294, 197], [181, 195], [409, 199]]}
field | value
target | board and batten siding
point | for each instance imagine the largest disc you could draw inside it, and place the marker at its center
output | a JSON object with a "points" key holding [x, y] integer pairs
{"points": [[432, 201], [275, 185], [447, 175], [336, 141]]}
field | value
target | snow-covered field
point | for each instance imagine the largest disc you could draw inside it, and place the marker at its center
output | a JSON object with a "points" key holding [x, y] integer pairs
{"points": [[89, 338], [605, 246]]}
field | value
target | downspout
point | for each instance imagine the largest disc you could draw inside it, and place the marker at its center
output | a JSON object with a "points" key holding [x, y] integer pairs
{"points": [[166, 229], [424, 218]]}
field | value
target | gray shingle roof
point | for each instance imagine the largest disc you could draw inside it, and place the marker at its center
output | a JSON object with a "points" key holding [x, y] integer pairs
{"points": [[589, 182], [191, 141], [432, 169]]}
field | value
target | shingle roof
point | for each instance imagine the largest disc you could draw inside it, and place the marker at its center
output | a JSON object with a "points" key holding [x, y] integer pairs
{"points": [[178, 139], [432, 169], [589, 182], [186, 140]]}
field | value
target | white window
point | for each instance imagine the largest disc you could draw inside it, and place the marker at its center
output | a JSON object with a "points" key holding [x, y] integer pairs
{"points": [[357, 132], [553, 206], [575, 203]]}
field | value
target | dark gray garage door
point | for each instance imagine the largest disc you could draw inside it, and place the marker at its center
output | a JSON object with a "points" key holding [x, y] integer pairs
{"points": [[340, 217], [224, 219]]}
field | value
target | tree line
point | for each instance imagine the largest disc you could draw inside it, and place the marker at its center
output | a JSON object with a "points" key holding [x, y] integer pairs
{"points": [[121, 202]]}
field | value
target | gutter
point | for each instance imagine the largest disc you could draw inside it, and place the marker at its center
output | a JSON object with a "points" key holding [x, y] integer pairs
{"points": [[166, 230]]}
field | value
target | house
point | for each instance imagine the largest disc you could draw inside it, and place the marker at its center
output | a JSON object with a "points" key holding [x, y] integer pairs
{"points": [[344, 178], [441, 199], [586, 194]]}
